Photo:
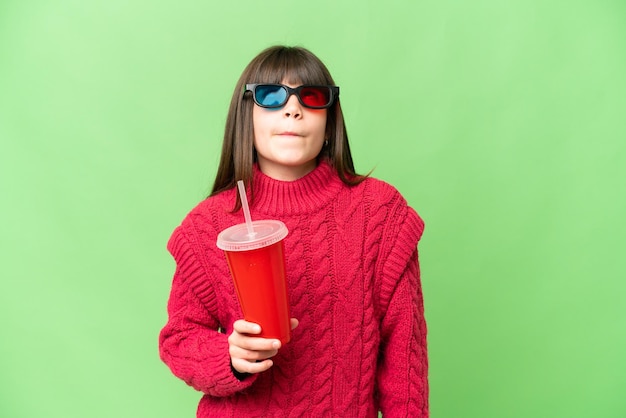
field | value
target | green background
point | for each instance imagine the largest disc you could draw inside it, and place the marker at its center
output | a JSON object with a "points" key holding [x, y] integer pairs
{"points": [[498, 120]]}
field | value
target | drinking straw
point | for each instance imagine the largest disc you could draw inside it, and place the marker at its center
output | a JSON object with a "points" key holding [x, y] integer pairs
{"points": [[246, 208]]}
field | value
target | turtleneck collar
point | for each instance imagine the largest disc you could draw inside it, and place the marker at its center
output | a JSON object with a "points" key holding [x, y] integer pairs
{"points": [[306, 194]]}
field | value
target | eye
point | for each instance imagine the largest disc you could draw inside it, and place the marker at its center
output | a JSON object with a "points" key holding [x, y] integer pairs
{"points": [[269, 95], [315, 96]]}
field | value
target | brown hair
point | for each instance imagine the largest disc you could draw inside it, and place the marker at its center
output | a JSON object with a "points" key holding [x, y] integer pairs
{"points": [[298, 66]]}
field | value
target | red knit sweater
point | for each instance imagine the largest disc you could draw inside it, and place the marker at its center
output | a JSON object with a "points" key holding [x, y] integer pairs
{"points": [[353, 276]]}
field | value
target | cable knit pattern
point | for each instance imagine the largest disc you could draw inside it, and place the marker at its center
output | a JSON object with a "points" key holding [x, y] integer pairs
{"points": [[354, 285]]}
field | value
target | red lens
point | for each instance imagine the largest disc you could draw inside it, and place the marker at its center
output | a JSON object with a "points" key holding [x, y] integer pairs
{"points": [[315, 96]]}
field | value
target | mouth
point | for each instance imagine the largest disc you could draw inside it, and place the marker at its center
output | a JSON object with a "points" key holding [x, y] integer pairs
{"points": [[289, 133]]}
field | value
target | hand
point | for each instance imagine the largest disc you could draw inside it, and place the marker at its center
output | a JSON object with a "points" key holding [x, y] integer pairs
{"points": [[250, 354]]}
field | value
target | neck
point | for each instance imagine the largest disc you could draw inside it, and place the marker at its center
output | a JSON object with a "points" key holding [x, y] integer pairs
{"points": [[277, 197], [285, 173]]}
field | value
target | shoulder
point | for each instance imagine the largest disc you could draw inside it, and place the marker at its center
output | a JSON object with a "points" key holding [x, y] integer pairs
{"points": [[212, 208], [385, 201], [379, 191], [391, 224], [203, 222]]}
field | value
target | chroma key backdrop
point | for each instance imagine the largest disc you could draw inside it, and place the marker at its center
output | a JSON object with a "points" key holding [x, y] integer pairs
{"points": [[501, 122]]}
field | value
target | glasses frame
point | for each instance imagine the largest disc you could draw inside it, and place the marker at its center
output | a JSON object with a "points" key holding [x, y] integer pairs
{"points": [[334, 94]]}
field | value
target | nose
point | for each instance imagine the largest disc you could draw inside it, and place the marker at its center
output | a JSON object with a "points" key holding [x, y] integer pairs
{"points": [[292, 107]]}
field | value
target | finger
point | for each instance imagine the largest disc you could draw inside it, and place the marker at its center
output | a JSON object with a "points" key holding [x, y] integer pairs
{"points": [[252, 343], [294, 323], [245, 327], [250, 355], [244, 366]]}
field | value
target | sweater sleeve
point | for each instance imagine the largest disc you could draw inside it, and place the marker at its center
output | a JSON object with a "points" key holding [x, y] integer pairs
{"points": [[402, 373], [190, 343]]}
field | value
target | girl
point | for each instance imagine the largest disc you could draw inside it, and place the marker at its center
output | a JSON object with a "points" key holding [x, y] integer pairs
{"points": [[351, 261]]}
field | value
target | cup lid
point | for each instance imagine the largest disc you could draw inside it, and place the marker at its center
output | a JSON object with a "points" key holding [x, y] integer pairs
{"points": [[237, 238]]}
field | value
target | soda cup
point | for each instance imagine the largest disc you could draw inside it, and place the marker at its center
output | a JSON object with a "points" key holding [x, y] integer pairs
{"points": [[257, 265]]}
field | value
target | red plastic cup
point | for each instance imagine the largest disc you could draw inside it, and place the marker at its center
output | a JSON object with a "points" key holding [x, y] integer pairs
{"points": [[257, 265]]}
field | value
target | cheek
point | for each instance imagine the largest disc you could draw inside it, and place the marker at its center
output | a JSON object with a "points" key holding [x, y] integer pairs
{"points": [[317, 119], [256, 121], [322, 124], [262, 122]]}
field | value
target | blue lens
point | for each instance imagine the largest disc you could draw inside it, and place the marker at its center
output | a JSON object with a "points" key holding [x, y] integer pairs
{"points": [[271, 96]]}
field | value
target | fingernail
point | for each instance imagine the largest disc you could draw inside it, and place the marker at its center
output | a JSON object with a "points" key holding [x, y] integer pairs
{"points": [[256, 328], [276, 344]]}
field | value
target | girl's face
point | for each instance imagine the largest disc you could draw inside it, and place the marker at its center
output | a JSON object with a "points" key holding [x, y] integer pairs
{"points": [[288, 139]]}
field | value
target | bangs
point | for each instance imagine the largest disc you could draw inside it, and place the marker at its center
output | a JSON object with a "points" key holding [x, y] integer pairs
{"points": [[278, 65], [291, 65]]}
